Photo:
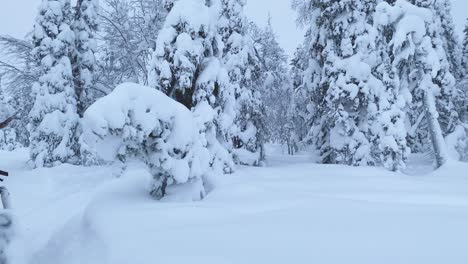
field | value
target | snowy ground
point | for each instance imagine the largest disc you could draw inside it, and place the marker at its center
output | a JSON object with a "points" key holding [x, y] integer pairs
{"points": [[292, 211]]}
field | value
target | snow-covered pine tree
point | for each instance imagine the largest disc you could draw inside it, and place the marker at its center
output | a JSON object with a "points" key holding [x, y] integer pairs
{"points": [[53, 118], [296, 117], [422, 67], [307, 69], [387, 108], [183, 51], [301, 111], [186, 66], [450, 39], [449, 100], [339, 40], [464, 83], [84, 27], [276, 91], [452, 98], [465, 51], [244, 71]]}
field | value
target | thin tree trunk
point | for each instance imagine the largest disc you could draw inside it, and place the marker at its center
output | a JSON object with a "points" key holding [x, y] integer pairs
{"points": [[6, 122], [435, 132]]}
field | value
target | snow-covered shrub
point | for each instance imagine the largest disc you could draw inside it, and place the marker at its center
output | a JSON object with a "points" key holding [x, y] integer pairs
{"points": [[140, 122]]}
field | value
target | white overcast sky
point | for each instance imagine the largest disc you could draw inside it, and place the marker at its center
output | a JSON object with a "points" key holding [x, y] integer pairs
{"points": [[17, 18]]}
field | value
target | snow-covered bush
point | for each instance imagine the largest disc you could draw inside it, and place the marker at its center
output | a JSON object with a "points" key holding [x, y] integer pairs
{"points": [[140, 122]]}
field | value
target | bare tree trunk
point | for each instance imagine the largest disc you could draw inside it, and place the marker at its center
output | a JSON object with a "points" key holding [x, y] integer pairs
{"points": [[5, 196], [6, 122]]}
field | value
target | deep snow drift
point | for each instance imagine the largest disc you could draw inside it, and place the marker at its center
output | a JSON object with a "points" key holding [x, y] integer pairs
{"points": [[292, 211]]}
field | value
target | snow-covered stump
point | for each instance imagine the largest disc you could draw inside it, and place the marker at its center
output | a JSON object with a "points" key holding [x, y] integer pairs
{"points": [[140, 122]]}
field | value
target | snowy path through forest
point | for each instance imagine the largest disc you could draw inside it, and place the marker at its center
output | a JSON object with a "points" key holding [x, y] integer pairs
{"points": [[292, 211]]}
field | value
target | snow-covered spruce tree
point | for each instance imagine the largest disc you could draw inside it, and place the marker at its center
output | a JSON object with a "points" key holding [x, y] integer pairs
{"points": [[184, 49], [465, 51], [198, 60], [139, 122], [340, 40], [276, 91], [83, 60], [463, 84], [245, 75], [53, 118], [307, 68], [387, 108], [186, 66], [301, 107], [450, 39], [450, 99], [423, 70]]}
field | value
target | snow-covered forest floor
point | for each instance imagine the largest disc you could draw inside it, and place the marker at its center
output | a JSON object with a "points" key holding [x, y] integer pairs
{"points": [[292, 211]]}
